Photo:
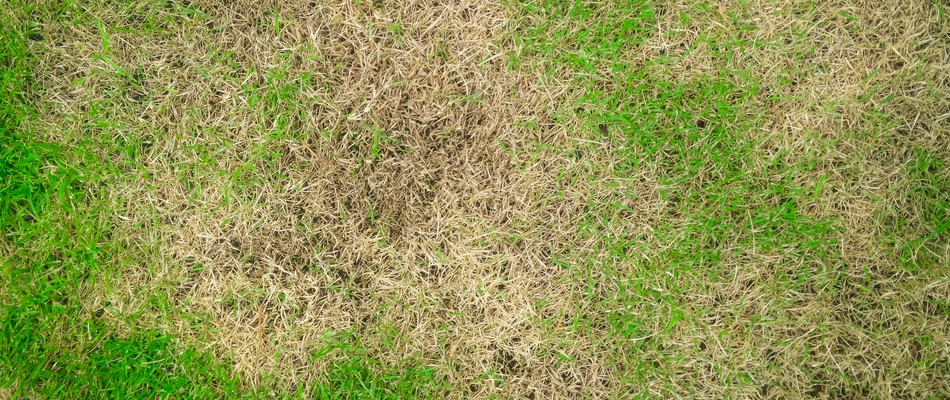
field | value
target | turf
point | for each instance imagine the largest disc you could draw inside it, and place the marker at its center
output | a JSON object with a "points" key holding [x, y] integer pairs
{"points": [[429, 199], [55, 246]]}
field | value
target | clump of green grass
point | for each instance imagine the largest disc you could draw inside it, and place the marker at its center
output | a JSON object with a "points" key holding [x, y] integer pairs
{"points": [[21, 195], [355, 374], [928, 193], [586, 37]]}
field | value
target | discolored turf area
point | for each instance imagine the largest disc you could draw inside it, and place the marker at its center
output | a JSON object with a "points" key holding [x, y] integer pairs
{"points": [[472, 199]]}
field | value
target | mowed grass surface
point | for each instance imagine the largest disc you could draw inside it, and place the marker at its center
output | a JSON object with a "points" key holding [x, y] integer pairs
{"points": [[631, 199], [56, 245]]}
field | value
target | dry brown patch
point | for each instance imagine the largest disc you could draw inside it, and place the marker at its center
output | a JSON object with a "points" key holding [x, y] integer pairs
{"points": [[277, 226], [430, 236]]}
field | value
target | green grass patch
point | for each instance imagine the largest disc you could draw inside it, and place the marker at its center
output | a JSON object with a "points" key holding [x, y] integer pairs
{"points": [[585, 36], [355, 374], [928, 225]]}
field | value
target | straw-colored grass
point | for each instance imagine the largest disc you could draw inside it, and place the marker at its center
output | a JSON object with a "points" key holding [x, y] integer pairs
{"points": [[523, 200]]}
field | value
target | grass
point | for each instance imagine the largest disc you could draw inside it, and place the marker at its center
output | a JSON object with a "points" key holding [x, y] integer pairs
{"points": [[55, 246], [927, 186], [534, 199]]}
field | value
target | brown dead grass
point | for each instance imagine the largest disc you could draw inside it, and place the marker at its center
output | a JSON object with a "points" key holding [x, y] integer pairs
{"points": [[441, 248], [454, 255]]}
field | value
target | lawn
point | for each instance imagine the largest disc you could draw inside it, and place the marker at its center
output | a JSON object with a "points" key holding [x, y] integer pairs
{"points": [[524, 199]]}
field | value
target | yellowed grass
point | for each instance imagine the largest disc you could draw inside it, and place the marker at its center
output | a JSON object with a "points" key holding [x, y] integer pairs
{"points": [[443, 247]]}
